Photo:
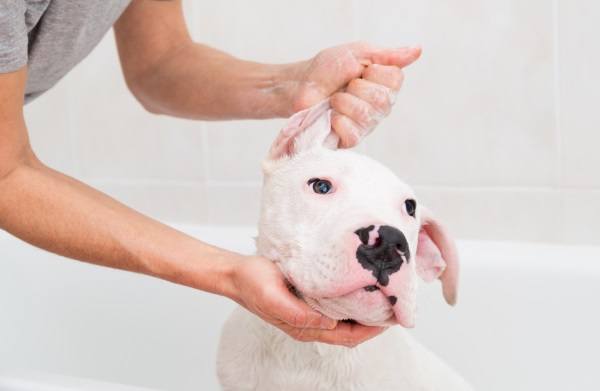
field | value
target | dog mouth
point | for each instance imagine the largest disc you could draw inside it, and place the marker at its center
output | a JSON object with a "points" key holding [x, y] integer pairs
{"points": [[367, 305], [368, 288]]}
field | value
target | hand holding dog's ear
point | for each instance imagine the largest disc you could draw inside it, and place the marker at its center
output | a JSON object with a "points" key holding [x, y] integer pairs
{"points": [[261, 288], [361, 81]]}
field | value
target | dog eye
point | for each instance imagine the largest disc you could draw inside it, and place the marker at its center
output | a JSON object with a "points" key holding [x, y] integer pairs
{"points": [[411, 207], [320, 186]]}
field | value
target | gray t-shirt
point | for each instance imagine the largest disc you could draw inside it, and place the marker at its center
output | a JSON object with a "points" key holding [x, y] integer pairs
{"points": [[51, 36]]}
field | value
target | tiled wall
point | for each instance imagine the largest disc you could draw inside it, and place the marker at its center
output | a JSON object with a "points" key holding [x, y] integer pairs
{"points": [[497, 126]]}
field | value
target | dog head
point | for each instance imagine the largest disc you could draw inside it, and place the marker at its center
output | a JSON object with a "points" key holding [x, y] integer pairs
{"points": [[347, 233]]}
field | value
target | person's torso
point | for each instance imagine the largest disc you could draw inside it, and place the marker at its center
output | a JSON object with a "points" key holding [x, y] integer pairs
{"points": [[61, 33]]}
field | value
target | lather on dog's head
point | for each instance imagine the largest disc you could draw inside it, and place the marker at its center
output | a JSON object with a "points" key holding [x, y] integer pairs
{"points": [[348, 234]]}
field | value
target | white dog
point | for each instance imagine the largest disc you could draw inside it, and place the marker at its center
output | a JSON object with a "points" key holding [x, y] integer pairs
{"points": [[352, 240]]}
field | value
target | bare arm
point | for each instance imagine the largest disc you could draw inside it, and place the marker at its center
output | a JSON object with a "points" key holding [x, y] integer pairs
{"points": [[60, 214], [170, 74]]}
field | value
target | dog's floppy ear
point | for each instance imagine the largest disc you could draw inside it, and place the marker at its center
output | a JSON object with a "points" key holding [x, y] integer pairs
{"points": [[437, 256], [304, 130]]}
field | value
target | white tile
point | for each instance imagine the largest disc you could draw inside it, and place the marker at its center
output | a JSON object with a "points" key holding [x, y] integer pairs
{"points": [[170, 202], [235, 149], [115, 137], [582, 216], [233, 204], [47, 120], [477, 108], [497, 214], [579, 86], [273, 31]]}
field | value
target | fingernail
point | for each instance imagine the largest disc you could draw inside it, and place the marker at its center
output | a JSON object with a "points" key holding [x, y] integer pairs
{"points": [[354, 137], [328, 323], [417, 49]]}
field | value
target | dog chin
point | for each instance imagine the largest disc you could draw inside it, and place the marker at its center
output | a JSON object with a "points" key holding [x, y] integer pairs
{"points": [[361, 306]]}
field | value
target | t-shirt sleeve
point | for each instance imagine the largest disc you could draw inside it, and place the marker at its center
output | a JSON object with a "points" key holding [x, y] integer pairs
{"points": [[13, 35]]}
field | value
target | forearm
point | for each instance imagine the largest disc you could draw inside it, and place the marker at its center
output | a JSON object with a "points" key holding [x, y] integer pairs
{"points": [[200, 82], [62, 215]]}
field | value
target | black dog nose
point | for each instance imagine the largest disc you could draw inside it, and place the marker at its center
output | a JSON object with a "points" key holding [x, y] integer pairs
{"points": [[386, 255]]}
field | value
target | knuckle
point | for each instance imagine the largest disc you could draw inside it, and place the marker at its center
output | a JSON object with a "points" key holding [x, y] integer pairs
{"points": [[294, 319], [375, 72], [336, 121], [361, 113], [300, 336], [354, 85], [359, 44], [380, 99], [368, 72], [337, 101], [264, 294], [300, 320]]}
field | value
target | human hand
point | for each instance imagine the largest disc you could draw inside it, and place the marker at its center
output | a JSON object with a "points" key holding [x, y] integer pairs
{"points": [[360, 79], [261, 288]]}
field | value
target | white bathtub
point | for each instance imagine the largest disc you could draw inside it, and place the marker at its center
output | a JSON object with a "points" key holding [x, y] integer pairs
{"points": [[528, 318]]}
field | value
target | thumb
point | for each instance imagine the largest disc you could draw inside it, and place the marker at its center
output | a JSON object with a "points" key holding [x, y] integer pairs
{"points": [[297, 313], [399, 57]]}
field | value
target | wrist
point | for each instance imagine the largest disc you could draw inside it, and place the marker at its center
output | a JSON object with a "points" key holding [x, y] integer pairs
{"points": [[225, 275], [287, 85], [215, 273], [300, 93], [198, 265]]}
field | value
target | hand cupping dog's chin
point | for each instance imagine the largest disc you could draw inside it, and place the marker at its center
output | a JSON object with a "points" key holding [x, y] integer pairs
{"points": [[369, 308]]}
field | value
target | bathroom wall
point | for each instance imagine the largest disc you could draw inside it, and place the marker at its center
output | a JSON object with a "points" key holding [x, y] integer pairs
{"points": [[497, 126]]}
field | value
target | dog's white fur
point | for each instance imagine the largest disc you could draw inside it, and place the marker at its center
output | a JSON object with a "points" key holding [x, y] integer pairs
{"points": [[311, 237]]}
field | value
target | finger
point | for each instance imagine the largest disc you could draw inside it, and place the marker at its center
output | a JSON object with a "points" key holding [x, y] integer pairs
{"points": [[344, 334], [377, 95], [399, 57], [357, 110], [288, 308], [389, 76], [348, 131], [350, 335]]}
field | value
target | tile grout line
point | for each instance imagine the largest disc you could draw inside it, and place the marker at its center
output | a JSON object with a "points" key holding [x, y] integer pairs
{"points": [[506, 188], [557, 117], [355, 25], [169, 182], [556, 81]]}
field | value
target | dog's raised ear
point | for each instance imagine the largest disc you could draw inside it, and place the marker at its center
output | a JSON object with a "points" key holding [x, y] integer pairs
{"points": [[437, 256], [305, 130]]}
